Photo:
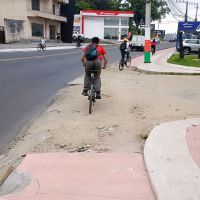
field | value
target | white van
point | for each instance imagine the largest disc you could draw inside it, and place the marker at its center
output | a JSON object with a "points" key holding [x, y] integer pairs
{"points": [[137, 42]]}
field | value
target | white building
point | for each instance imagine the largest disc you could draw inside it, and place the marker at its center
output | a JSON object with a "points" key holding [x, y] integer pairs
{"points": [[104, 24]]}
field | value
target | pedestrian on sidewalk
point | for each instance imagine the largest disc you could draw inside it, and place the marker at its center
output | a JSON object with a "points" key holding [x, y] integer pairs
{"points": [[58, 37], [78, 41], [91, 58], [153, 46]]}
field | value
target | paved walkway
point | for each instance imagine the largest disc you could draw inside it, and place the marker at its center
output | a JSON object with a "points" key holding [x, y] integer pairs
{"points": [[171, 154], [32, 46], [79, 176], [159, 64]]}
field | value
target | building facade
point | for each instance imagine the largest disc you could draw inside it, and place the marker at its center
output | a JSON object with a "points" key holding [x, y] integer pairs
{"points": [[30, 19], [105, 24]]}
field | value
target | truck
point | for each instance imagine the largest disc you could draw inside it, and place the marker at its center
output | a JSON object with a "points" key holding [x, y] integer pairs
{"points": [[137, 42]]}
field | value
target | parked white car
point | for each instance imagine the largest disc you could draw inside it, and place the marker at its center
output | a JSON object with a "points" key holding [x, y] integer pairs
{"points": [[191, 45]]}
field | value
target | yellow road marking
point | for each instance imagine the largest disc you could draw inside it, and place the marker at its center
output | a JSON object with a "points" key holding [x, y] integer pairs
{"points": [[32, 57]]}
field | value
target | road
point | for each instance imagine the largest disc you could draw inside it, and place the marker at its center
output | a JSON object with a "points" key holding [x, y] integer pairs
{"points": [[29, 81]]}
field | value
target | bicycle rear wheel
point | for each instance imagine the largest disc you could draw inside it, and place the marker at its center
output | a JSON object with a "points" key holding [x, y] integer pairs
{"points": [[91, 95], [38, 47], [121, 65]]}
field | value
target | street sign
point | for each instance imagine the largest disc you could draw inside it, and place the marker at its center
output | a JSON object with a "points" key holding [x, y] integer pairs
{"points": [[189, 26]]}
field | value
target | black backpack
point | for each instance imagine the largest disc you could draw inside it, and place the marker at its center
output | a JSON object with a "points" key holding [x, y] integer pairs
{"points": [[122, 46], [91, 52]]}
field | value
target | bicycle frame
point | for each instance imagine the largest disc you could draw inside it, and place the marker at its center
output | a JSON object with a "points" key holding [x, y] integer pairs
{"points": [[92, 92], [124, 61]]}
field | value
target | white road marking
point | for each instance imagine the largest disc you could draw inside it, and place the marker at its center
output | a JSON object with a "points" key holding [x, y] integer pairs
{"points": [[31, 57]]}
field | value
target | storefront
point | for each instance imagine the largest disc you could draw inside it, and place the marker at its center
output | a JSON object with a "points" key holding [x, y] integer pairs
{"points": [[105, 24]]}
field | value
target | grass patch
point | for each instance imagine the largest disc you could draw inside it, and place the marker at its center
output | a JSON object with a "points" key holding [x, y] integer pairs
{"points": [[189, 60]]}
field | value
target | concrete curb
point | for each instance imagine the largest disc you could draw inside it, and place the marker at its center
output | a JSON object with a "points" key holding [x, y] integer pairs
{"points": [[173, 173], [165, 73], [5, 172]]}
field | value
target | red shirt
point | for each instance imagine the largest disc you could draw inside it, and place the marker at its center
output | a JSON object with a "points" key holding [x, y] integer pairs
{"points": [[101, 51], [153, 43]]}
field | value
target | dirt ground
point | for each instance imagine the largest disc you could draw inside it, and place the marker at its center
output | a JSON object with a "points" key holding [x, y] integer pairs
{"points": [[132, 104]]}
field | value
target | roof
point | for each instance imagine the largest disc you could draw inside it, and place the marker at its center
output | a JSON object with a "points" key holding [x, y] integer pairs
{"points": [[107, 13]]}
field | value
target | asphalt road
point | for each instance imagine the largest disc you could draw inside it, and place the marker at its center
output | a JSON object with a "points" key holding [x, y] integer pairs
{"points": [[29, 81]]}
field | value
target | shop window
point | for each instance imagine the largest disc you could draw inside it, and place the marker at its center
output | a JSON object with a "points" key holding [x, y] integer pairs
{"points": [[37, 29], [111, 33], [35, 4], [124, 22], [111, 21], [124, 33]]}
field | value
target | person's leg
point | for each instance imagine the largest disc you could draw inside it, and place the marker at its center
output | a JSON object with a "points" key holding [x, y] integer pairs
{"points": [[87, 77], [123, 55], [152, 49], [128, 53], [97, 78]]}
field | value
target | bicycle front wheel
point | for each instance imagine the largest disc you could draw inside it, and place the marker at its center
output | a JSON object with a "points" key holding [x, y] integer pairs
{"points": [[121, 65], [44, 48], [91, 95], [128, 62]]}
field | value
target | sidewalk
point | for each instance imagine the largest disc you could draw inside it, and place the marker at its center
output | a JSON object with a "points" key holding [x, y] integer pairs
{"points": [[32, 46], [171, 156], [159, 65], [172, 151]]}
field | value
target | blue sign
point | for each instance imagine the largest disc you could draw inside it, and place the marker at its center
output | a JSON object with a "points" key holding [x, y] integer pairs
{"points": [[189, 26]]}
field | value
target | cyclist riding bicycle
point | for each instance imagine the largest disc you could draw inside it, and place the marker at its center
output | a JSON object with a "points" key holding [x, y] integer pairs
{"points": [[91, 58], [153, 46], [43, 42], [124, 48]]}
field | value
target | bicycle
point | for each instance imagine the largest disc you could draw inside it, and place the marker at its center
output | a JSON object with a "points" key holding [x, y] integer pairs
{"points": [[41, 47], [126, 61], [92, 92]]}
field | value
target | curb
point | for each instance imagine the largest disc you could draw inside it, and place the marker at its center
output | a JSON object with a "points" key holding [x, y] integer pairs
{"points": [[5, 172], [165, 73], [172, 172]]}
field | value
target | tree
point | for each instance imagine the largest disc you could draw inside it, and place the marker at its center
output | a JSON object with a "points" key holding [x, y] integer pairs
{"points": [[159, 9], [82, 5], [98, 5]]}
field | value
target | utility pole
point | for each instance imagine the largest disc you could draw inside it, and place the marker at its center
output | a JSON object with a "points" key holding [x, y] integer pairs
{"points": [[196, 12], [187, 4], [186, 12], [147, 48]]}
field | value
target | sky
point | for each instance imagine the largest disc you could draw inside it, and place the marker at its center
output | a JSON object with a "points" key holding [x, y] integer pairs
{"points": [[170, 24]]}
